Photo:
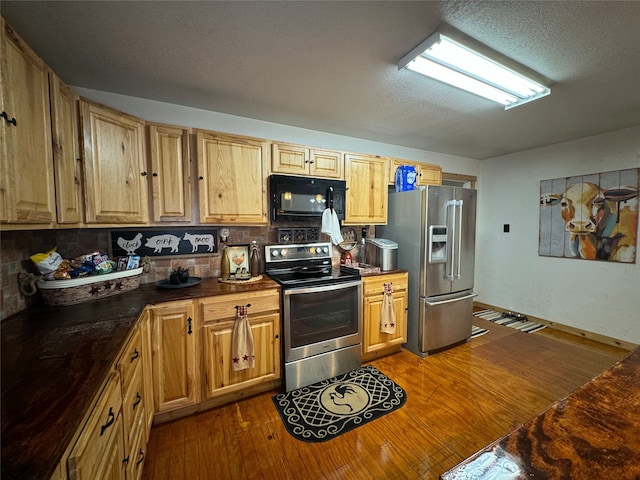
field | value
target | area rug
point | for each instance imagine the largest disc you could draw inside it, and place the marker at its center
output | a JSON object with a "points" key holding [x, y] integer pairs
{"points": [[509, 319], [326, 409], [477, 331]]}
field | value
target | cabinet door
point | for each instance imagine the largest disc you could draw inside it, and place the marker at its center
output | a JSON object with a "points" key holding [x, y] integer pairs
{"points": [[289, 159], [232, 179], [367, 193], [26, 182], [115, 176], [429, 174], [175, 373], [326, 163], [375, 340], [147, 369], [66, 157], [170, 173], [218, 336]]}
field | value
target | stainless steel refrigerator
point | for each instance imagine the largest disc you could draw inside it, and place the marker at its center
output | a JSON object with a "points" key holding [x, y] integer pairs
{"points": [[435, 229]]}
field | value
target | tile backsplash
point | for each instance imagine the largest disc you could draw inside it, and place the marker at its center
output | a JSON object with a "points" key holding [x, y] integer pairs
{"points": [[17, 246]]}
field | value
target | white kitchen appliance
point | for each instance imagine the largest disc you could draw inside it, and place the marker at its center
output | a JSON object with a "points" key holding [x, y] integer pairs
{"points": [[434, 227]]}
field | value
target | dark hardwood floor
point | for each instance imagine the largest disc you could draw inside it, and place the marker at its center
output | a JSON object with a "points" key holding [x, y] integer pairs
{"points": [[458, 401]]}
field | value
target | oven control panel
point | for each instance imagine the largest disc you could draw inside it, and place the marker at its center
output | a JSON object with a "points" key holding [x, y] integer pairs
{"points": [[307, 251]]}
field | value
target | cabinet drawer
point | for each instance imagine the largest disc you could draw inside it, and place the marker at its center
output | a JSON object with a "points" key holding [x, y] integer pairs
{"points": [[137, 453], [133, 403], [223, 307], [86, 458], [130, 358], [375, 285]]}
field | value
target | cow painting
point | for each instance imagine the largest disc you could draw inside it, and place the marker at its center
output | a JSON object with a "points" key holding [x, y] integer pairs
{"points": [[601, 222]]}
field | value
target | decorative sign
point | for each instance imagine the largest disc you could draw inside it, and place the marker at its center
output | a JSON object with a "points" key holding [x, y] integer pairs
{"points": [[593, 217], [166, 242]]}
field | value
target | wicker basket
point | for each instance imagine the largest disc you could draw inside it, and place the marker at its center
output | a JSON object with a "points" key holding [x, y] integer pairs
{"points": [[70, 292]]}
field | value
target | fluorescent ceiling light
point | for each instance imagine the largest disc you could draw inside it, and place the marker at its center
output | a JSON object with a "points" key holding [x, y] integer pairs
{"points": [[448, 60]]}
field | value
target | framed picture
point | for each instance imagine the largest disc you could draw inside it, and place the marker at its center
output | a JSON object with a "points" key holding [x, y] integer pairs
{"points": [[238, 258]]}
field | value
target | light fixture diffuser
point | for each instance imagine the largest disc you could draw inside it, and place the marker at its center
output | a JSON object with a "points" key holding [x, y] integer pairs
{"points": [[448, 60]]}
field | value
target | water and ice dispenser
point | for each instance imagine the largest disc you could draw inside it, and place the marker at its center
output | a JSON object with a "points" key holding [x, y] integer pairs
{"points": [[437, 244]]}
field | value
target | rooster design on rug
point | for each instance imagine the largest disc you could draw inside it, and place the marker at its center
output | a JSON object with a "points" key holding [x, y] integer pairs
{"points": [[340, 393]]}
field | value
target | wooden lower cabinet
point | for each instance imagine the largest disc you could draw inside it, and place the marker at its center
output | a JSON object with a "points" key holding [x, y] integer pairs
{"points": [[375, 343], [175, 332], [99, 451], [219, 318]]}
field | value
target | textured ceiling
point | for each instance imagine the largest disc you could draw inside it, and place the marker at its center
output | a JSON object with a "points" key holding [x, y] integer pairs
{"points": [[331, 65]]}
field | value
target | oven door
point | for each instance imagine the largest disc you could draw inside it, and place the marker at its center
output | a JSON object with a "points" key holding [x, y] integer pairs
{"points": [[321, 319]]}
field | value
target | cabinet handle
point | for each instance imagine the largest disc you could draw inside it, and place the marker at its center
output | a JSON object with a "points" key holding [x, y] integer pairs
{"points": [[126, 460], [141, 454], [154, 174], [138, 400], [135, 355], [189, 330], [144, 174], [6, 119], [200, 177], [112, 418]]}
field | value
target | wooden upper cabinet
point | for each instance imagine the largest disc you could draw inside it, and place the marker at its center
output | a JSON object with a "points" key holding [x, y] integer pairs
{"points": [[427, 173], [367, 189], [115, 173], [304, 161], [66, 155], [170, 173], [27, 181], [232, 179]]}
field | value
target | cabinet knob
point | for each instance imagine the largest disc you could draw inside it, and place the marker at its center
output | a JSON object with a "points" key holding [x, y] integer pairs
{"points": [[144, 174], [200, 177], [154, 174]]}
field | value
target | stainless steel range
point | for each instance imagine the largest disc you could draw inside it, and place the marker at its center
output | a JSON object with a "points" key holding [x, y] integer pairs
{"points": [[322, 312]]}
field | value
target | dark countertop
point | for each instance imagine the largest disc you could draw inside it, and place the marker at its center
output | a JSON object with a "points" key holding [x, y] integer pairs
{"points": [[55, 360], [592, 433]]}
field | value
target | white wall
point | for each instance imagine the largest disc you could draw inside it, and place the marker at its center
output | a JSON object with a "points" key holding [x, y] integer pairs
{"points": [[597, 296], [193, 117]]}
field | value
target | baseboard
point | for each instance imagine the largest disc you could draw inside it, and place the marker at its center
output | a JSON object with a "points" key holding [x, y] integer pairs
{"points": [[564, 328]]}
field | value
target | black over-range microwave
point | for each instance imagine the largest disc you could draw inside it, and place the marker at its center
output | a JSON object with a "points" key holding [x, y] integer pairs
{"points": [[305, 198]]}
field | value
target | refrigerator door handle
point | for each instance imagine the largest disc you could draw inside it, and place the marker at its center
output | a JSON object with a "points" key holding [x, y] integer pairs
{"points": [[449, 272], [459, 256], [466, 297]]}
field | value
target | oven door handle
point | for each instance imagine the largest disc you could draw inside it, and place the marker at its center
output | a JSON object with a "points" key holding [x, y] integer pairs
{"points": [[322, 288]]}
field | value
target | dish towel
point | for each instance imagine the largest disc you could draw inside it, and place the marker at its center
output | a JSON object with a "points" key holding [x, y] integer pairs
{"points": [[242, 354], [331, 225], [388, 313]]}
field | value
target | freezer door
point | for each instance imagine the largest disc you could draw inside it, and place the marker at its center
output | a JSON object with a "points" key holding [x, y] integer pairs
{"points": [[463, 249], [445, 321]]}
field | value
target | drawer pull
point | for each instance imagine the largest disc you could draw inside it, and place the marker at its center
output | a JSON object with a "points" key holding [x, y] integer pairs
{"points": [[135, 355], [138, 400], [6, 119], [112, 418], [141, 455]]}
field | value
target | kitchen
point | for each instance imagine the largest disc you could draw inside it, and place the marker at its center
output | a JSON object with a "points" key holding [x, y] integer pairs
{"points": [[509, 272]]}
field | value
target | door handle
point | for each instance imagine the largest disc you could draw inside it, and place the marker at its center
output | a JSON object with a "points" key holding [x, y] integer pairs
{"points": [[466, 297]]}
